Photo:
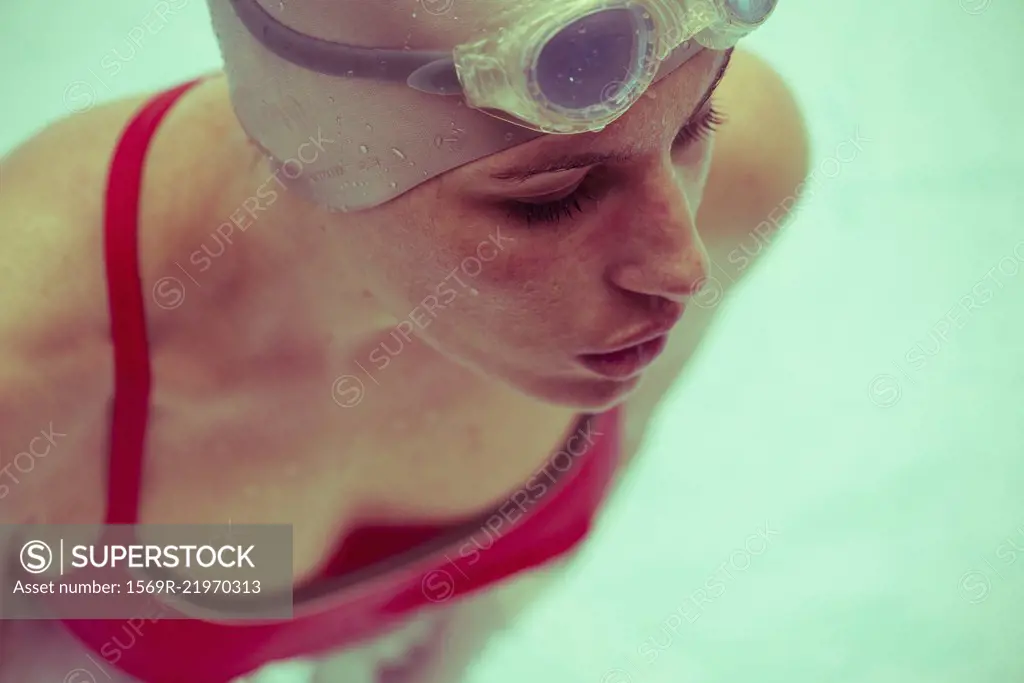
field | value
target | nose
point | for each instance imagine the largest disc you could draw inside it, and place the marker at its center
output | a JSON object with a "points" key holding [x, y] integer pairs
{"points": [[659, 253]]}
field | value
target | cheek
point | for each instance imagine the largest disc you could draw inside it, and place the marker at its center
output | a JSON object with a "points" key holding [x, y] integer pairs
{"points": [[448, 265], [509, 280], [483, 277], [488, 262], [400, 263]]}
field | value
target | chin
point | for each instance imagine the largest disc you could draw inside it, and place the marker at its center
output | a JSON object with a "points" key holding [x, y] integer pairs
{"points": [[582, 393], [585, 395]]}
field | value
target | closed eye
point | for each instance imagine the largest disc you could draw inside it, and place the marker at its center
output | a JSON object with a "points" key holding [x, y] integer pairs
{"points": [[699, 129], [695, 131]]}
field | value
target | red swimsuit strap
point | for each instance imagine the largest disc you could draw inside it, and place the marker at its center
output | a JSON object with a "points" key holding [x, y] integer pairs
{"points": [[130, 414]]}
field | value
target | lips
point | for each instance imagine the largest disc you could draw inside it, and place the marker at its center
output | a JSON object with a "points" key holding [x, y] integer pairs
{"points": [[645, 335], [655, 328], [629, 355], [626, 362]]}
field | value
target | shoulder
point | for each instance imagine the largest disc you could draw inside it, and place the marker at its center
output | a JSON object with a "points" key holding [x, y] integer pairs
{"points": [[761, 153], [56, 364], [54, 198], [51, 229], [52, 302]]}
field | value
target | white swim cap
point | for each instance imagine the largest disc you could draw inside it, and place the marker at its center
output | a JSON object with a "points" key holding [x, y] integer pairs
{"points": [[389, 115]]}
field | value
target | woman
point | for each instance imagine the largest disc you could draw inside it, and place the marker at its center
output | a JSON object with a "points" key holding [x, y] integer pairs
{"points": [[362, 295]]}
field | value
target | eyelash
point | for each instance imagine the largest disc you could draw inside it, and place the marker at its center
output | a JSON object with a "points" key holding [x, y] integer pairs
{"points": [[696, 131]]}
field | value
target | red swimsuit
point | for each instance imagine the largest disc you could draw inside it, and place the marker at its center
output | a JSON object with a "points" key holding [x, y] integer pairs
{"points": [[379, 574]]}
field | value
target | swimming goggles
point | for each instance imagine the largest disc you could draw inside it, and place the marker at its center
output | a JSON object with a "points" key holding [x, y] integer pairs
{"points": [[574, 68]]}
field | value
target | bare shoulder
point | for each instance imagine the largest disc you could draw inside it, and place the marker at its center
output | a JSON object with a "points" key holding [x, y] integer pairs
{"points": [[760, 160], [51, 208], [761, 152], [53, 363], [56, 372]]}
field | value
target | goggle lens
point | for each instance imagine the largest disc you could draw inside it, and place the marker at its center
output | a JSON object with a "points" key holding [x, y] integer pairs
{"points": [[593, 61]]}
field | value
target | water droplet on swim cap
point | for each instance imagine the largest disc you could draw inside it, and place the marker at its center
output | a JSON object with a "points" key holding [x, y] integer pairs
{"points": [[398, 153], [364, 149]]}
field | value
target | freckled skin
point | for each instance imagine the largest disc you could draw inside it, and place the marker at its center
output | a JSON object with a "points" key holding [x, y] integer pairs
{"points": [[549, 291]]}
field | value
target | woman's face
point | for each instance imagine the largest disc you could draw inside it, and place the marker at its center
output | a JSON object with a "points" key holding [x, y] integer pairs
{"points": [[524, 274]]}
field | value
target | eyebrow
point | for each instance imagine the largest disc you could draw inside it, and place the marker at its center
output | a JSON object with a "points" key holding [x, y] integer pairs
{"points": [[586, 159]]}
